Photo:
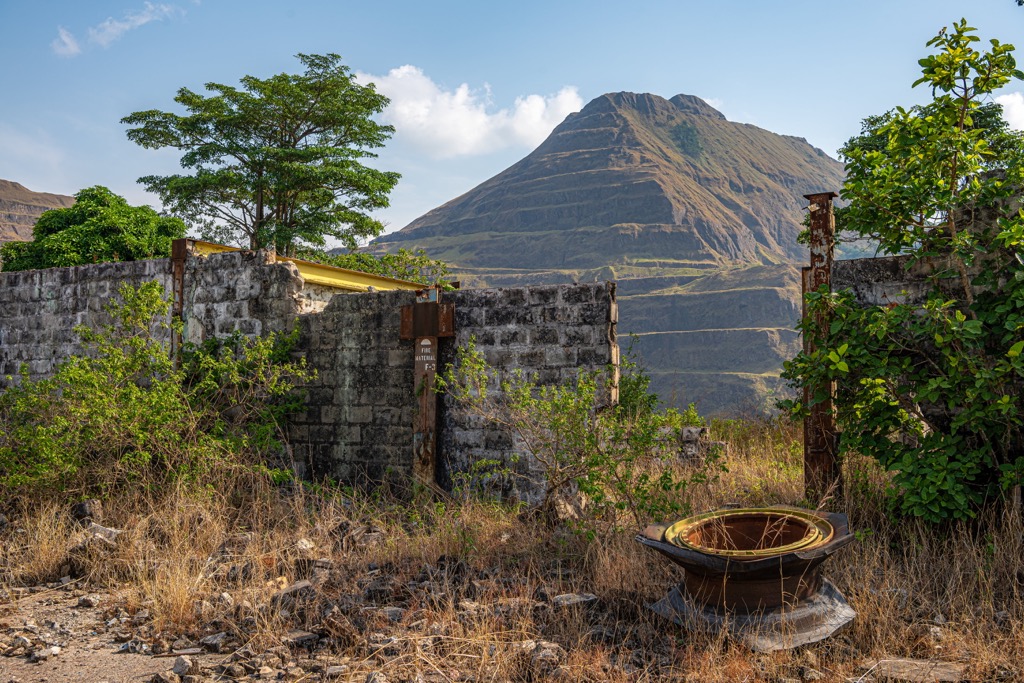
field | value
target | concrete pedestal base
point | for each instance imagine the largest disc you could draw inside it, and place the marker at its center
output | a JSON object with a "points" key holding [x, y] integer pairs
{"points": [[808, 621]]}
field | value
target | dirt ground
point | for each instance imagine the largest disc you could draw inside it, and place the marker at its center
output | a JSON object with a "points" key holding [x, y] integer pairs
{"points": [[91, 649]]}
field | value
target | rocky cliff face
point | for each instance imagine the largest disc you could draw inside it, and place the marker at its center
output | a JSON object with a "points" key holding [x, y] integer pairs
{"points": [[20, 208], [695, 216]]}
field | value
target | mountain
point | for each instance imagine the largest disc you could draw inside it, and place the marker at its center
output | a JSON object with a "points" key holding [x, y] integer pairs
{"points": [[695, 216], [20, 208]]}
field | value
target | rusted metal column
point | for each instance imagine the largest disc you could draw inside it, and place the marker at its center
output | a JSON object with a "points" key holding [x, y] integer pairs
{"points": [[425, 322], [822, 474]]}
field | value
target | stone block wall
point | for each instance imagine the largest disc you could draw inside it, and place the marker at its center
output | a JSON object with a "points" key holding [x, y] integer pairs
{"points": [[239, 290], [895, 279], [358, 421], [360, 409], [39, 310], [551, 332]]}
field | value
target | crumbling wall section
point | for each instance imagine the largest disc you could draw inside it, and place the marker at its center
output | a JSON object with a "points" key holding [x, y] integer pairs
{"points": [[245, 291], [549, 332], [896, 279], [360, 409]]}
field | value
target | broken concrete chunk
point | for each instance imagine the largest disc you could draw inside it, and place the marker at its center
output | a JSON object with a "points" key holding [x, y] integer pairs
{"points": [[916, 671], [573, 599], [183, 666], [43, 654], [215, 642], [104, 532], [299, 638]]}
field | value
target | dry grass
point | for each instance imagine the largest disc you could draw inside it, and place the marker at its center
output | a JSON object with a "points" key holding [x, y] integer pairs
{"points": [[202, 563]]}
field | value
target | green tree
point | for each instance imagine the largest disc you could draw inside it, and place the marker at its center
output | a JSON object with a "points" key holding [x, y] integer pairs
{"points": [[277, 162], [932, 390], [99, 226]]}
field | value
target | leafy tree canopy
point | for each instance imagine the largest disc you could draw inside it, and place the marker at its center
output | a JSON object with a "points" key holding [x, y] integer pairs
{"points": [[932, 391], [99, 226], [276, 162], [912, 171]]}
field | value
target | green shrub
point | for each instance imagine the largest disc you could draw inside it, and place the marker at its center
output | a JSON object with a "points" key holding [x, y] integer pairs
{"points": [[100, 226], [125, 414], [623, 460], [932, 391]]}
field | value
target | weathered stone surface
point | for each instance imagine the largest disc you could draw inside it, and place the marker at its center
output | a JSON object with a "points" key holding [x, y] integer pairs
{"points": [[215, 642], [40, 308], [894, 279], [357, 423], [184, 666], [89, 601], [335, 671], [573, 600], [915, 671], [298, 638]]}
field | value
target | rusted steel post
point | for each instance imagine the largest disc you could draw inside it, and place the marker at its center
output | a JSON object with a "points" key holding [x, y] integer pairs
{"points": [[822, 474], [425, 322]]}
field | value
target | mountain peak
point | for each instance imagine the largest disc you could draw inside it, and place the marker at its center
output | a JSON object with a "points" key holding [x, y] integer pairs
{"points": [[696, 216], [672, 174], [650, 105], [691, 104]]}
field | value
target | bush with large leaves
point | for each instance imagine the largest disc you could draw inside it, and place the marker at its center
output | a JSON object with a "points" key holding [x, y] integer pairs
{"points": [[100, 226], [932, 391]]}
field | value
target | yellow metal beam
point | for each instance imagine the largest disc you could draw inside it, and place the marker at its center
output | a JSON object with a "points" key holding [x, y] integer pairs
{"points": [[320, 274]]}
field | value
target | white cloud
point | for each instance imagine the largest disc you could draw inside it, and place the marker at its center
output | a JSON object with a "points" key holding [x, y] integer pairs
{"points": [[463, 121], [111, 29], [714, 102], [1013, 109], [65, 44]]}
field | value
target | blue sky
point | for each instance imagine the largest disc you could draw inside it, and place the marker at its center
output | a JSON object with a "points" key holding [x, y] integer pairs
{"points": [[474, 85]]}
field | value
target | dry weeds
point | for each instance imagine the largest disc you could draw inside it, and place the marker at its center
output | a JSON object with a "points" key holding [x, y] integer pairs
{"points": [[449, 590]]}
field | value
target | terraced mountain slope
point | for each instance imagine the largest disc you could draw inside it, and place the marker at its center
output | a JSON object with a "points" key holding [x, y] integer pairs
{"points": [[20, 208], [695, 216]]}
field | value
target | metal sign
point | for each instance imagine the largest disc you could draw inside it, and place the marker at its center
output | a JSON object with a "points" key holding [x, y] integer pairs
{"points": [[425, 322]]}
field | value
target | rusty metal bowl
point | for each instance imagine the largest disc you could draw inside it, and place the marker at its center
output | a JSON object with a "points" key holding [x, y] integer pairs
{"points": [[746, 560]]}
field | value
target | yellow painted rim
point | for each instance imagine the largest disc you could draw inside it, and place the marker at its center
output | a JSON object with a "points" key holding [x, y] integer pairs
{"points": [[819, 532]]}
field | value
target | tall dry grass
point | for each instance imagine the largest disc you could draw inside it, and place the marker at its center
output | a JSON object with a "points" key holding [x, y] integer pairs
{"points": [[209, 561]]}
